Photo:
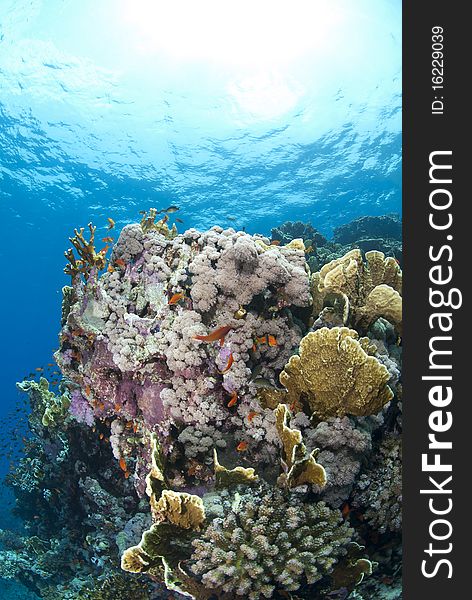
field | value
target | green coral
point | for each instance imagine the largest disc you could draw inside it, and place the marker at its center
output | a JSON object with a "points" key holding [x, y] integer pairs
{"points": [[53, 410], [266, 542]]}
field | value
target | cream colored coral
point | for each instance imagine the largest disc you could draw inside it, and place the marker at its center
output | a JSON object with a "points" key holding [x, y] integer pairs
{"points": [[333, 376]]}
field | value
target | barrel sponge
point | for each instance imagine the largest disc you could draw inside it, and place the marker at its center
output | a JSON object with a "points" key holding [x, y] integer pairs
{"points": [[267, 541], [333, 376]]}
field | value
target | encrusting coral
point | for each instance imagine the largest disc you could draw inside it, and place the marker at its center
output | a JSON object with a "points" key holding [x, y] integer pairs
{"points": [[214, 427]]}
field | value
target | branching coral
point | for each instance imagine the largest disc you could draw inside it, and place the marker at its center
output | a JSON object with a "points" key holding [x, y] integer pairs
{"points": [[333, 376], [266, 542], [89, 258], [379, 490]]}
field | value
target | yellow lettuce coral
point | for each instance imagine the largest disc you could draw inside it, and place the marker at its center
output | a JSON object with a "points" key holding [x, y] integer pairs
{"points": [[333, 376]]}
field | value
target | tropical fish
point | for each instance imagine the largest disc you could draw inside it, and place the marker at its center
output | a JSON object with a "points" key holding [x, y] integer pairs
{"points": [[261, 340], [272, 340], [242, 446], [51, 364], [176, 298], [275, 243], [234, 399], [169, 209], [111, 223], [216, 334], [107, 240], [346, 509], [177, 220], [262, 382], [110, 269], [251, 415], [87, 390], [228, 364], [309, 249], [39, 369], [120, 262], [101, 436], [123, 466]]}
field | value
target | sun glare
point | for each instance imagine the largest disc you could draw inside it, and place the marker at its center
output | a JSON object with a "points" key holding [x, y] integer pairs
{"points": [[240, 33]]}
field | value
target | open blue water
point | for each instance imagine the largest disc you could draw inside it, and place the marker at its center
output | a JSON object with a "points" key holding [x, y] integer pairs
{"points": [[244, 114]]}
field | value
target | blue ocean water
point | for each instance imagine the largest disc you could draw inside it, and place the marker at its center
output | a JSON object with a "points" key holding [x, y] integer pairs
{"points": [[244, 114]]}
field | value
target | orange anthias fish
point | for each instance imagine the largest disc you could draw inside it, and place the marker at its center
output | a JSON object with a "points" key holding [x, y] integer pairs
{"points": [[261, 340], [275, 243], [251, 415], [228, 364], [107, 240], [242, 446], [120, 262], [123, 466], [215, 335], [234, 399], [39, 369], [176, 298], [272, 340], [111, 223], [346, 510], [110, 269]]}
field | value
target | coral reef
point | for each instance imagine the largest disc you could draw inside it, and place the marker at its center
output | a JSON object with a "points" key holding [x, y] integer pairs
{"points": [[212, 434]]}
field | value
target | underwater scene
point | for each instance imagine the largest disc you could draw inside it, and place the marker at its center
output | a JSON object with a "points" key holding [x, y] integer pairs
{"points": [[202, 300]]}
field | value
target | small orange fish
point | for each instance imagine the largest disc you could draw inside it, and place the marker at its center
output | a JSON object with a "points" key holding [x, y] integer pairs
{"points": [[129, 425], [87, 390], [39, 369], [101, 436], [261, 340], [123, 466], [176, 298], [228, 364], [275, 243], [51, 364], [346, 509], [135, 427], [272, 340], [127, 474], [309, 249], [120, 262], [234, 399], [108, 240], [254, 347], [251, 415], [242, 446], [215, 335], [110, 269], [111, 223], [101, 405], [117, 407]]}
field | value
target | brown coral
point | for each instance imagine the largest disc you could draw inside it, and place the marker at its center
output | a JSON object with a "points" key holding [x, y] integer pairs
{"points": [[301, 466], [360, 291], [333, 376], [88, 257]]}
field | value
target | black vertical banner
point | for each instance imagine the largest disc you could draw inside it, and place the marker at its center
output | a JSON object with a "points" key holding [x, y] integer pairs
{"points": [[437, 332]]}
